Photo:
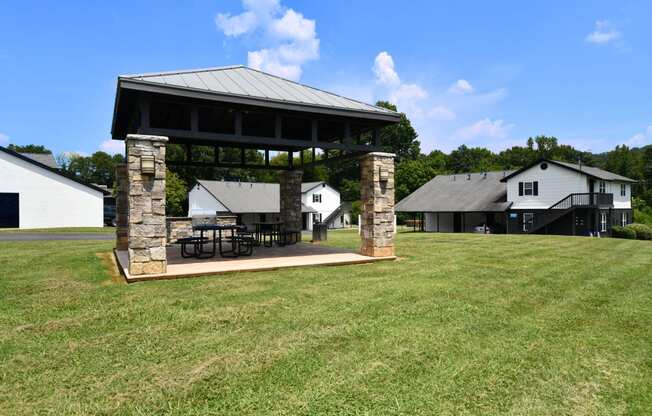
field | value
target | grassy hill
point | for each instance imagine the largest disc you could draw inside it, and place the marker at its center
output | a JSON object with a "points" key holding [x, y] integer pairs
{"points": [[461, 324]]}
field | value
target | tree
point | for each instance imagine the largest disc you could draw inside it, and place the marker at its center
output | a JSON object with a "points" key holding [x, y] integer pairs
{"points": [[29, 148], [412, 174], [471, 159], [176, 193], [98, 168], [400, 138]]}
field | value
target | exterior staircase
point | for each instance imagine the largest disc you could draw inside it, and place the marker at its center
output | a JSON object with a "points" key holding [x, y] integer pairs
{"points": [[569, 204], [329, 220]]}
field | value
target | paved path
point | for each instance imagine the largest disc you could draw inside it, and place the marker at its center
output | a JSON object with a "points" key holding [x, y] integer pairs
{"points": [[54, 236]]}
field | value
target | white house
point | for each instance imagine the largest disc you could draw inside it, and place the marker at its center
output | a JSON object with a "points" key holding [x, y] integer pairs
{"points": [[34, 194], [255, 201], [545, 197]]}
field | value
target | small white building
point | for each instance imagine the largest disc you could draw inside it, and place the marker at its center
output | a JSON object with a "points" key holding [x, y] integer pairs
{"points": [[34, 194], [254, 201]]}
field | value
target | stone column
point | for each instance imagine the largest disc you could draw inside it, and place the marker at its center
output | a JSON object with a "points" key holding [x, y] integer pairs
{"points": [[290, 199], [147, 228], [377, 195], [121, 207]]}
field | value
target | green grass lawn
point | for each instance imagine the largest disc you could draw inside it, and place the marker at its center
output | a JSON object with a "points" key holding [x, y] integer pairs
{"points": [[462, 324], [60, 230]]}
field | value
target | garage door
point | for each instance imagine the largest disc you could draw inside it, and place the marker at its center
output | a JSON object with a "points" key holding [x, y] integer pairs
{"points": [[8, 210]]}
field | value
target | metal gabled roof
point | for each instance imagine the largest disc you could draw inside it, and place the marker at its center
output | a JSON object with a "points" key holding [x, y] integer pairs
{"points": [[247, 197], [244, 82], [463, 192]]}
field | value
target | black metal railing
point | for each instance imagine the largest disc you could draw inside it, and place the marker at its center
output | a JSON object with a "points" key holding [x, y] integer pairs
{"points": [[561, 208], [584, 200]]}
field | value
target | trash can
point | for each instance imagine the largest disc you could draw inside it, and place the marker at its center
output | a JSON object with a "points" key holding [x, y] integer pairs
{"points": [[319, 231]]}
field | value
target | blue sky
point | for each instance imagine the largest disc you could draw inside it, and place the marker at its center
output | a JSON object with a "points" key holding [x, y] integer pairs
{"points": [[480, 73]]}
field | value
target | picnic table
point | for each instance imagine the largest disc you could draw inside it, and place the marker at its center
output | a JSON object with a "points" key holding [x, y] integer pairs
{"points": [[240, 244], [267, 232]]}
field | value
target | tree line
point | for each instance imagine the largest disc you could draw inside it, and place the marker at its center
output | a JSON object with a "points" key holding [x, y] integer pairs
{"points": [[413, 167]]}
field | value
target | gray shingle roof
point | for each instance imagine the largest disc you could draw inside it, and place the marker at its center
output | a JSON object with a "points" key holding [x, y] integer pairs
{"points": [[247, 197], [241, 81], [587, 170], [474, 192], [306, 186], [46, 159], [596, 172]]}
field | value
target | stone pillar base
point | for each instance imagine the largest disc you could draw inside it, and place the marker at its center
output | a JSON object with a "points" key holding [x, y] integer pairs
{"points": [[147, 226], [121, 207], [290, 199], [377, 195], [371, 251]]}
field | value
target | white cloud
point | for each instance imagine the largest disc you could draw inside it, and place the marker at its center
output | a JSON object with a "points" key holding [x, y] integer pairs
{"points": [[485, 128], [4, 139], [408, 93], [441, 113], [289, 39], [113, 147], [384, 69], [461, 86], [604, 33], [236, 25], [640, 139]]}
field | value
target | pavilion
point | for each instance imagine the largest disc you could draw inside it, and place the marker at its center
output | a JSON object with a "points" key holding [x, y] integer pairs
{"points": [[249, 113]]}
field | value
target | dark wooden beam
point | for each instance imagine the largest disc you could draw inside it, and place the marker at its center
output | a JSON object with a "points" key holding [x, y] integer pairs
{"points": [[341, 158], [278, 127], [376, 137], [347, 133], [266, 157], [253, 142], [194, 119], [238, 124], [290, 160], [143, 107], [216, 154], [188, 148], [223, 165], [314, 132]]}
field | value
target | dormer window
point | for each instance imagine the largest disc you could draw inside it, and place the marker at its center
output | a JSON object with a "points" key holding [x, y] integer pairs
{"points": [[316, 198]]}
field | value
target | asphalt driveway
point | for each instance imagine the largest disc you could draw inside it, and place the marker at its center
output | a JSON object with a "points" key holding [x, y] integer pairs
{"points": [[55, 236]]}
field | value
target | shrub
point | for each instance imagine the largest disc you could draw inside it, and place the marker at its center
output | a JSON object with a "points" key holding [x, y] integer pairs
{"points": [[643, 232], [623, 232]]}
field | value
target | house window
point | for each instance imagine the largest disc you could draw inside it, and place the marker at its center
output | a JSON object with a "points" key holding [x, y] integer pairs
{"points": [[603, 222], [603, 187], [316, 197], [528, 188], [623, 219], [528, 221], [623, 189]]}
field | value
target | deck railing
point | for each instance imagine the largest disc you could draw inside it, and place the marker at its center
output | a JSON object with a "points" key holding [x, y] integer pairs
{"points": [[588, 200]]}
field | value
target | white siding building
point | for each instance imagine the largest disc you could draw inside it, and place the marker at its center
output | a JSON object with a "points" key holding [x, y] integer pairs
{"points": [[548, 196], [253, 202], [34, 195]]}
